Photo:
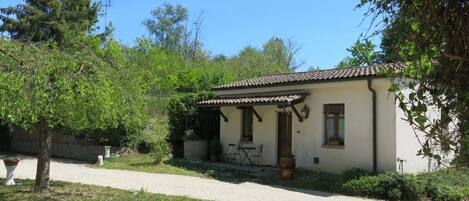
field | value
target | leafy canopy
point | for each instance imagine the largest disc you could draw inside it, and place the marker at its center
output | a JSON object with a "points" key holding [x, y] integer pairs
{"points": [[432, 36], [43, 20], [74, 89], [362, 54]]}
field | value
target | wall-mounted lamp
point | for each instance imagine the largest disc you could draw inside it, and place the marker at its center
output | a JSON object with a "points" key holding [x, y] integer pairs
{"points": [[305, 112]]}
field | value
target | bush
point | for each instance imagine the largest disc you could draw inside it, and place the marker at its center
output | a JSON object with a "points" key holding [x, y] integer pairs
{"points": [[391, 185], [447, 184], [363, 186], [157, 138], [354, 173], [183, 115], [395, 186], [445, 193]]}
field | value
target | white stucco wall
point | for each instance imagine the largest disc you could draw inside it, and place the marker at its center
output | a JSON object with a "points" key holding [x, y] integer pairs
{"points": [[408, 141], [308, 136]]}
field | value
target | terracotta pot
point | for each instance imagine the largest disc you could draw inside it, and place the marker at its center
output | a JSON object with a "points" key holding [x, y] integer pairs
{"points": [[287, 166], [214, 158], [11, 162]]}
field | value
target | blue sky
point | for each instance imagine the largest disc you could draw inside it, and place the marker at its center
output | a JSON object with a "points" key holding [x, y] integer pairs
{"points": [[323, 29]]}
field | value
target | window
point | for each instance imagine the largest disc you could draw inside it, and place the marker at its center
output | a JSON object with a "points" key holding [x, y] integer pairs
{"points": [[334, 124], [247, 118]]}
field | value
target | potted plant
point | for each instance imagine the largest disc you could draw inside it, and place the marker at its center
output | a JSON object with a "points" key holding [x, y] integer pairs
{"points": [[214, 149], [333, 141], [287, 166], [10, 164]]}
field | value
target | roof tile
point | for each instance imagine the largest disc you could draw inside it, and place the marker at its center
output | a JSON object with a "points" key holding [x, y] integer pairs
{"points": [[305, 77]]}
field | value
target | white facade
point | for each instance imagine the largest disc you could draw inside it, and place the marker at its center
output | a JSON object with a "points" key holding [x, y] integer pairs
{"points": [[395, 138]]}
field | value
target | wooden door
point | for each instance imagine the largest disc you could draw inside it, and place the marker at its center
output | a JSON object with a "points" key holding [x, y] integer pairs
{"points": [[284, 129]]}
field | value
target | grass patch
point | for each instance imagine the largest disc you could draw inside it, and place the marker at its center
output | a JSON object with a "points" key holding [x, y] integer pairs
{"points": [[303, 179], [145, 163], [65, 191]]}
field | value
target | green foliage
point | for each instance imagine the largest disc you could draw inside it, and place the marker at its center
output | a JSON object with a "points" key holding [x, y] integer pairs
{"points": [[354, 173], [362, 54], [430, 35], [169, 30], [442, 185], [363, 186], [183, 115], [214, 147], [447, 184], [43, 20], [390, 185], [75, 90], [159, 141]]}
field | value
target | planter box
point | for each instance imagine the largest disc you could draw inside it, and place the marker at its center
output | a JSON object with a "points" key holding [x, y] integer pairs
{"points": [[195, 150]]}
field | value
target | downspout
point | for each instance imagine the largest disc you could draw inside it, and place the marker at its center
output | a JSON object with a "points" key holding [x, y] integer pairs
{"points": [[373, 92]]}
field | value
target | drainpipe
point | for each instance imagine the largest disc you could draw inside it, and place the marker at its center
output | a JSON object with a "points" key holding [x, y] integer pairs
{"points": [[373, 92]]}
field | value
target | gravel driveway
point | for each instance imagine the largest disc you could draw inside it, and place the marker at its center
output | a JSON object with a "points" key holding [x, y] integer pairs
{"points": [[169, 184]]}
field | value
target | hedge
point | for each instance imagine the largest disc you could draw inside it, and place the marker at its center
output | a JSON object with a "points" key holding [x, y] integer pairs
{"points": [[183, 114], [443, 185]]}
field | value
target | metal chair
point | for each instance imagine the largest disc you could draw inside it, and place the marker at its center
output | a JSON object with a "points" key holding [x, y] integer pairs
{"points": [[231, 153], [258, 155]]}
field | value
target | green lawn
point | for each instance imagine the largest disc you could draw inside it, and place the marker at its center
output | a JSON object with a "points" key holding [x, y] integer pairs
{"points": [[64, 191]]}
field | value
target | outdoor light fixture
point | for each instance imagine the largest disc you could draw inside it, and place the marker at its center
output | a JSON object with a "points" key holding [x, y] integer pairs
{"points": [[305, 112]]}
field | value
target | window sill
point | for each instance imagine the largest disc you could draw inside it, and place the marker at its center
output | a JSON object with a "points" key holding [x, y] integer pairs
{"points": [[328, 146]]}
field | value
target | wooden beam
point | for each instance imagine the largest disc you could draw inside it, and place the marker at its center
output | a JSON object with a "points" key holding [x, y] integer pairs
{"points": [[222, 115], [300, 118], [259, 118]]}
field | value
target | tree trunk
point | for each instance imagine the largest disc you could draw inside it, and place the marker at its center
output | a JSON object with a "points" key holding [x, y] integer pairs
{"points": [[43, 156]]}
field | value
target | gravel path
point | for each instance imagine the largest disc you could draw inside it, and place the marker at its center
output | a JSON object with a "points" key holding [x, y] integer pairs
{"points": [[169, 184]]}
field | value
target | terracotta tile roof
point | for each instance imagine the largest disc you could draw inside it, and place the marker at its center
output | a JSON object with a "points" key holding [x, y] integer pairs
{"points": [[309, 77], [255, 100]]}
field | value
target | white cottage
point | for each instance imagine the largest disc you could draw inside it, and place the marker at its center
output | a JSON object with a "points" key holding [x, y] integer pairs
{"points": [[330, 120]]}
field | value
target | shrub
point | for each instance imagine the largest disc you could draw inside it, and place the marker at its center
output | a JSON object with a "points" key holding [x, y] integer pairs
{"points": [[445, 193], [363, 186], [397, 186], [391, 185], [157, 133], [183, 115], [354, 173], [447, 184], [214, 147]]}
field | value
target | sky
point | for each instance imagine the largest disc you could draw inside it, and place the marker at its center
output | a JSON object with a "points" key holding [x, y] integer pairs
{"points": [[322, 29]]}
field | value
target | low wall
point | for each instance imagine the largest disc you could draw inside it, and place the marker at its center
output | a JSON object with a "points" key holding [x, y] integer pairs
{"points": [[63, 146]]}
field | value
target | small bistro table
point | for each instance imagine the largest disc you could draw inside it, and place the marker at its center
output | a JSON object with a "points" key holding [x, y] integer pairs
{"points": [[246, 150]]}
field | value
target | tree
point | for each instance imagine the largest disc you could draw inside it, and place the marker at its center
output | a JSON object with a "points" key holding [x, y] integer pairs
{"points": [[43, 20], [436, 51], [43, 89], [169, 29], [282, 53], [362, 54]]}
